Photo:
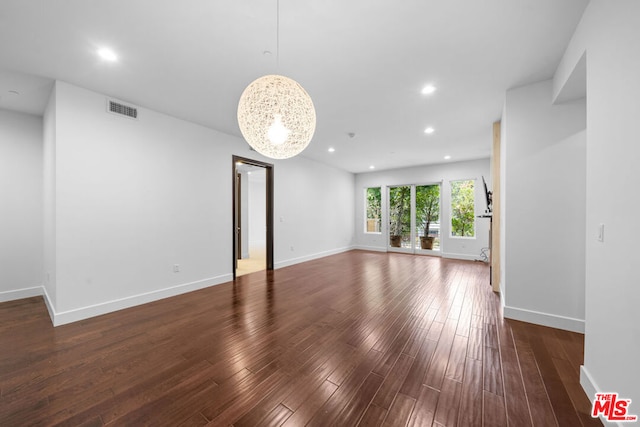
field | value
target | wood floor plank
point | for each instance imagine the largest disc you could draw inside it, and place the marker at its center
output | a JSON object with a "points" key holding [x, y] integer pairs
{"points": [[373, 417], [448, 403], [412, 385], [470, 413], [475, 345], [356, 408], [541, 410], [514, 392], [400, 411], [312, 404], [492, 371], [425, 408], [349, 339], [441, 357], [494, 413], [392, 383], [457, 358]]}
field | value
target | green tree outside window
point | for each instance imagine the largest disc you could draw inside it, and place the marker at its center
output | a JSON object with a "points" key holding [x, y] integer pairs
{"points": [[462, 208], [374, 210]]}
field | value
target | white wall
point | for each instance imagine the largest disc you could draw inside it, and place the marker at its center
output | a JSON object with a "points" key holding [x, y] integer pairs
{"points": [[257, 207], [451, 247], [313, 214], [543, 267], [135, 197], [245, 213], [21, 205], [610, 35]]}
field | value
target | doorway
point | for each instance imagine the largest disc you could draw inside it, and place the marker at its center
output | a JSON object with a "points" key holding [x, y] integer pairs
{"points": [[252, 244]]}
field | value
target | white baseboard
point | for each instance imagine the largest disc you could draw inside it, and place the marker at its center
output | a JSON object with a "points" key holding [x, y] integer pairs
{"points": [[587, 383], [591, 388], [544, 319], [293, 261], [466, 257], [12, 295], [50, 305], [370, 248], [64, 317]]}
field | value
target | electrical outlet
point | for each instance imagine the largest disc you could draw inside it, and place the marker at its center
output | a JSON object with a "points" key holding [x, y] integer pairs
{"points": [[176, 268], [601, 233]]}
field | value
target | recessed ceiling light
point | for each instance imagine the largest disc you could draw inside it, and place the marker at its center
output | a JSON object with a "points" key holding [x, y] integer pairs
{"points": [[331, 149], [429, 130], [372, 167], [428, 89], [107, 54], [447, 157]]}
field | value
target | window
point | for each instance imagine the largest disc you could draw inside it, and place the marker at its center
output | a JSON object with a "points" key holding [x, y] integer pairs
{"points": [[463, 208], [373, 200]]}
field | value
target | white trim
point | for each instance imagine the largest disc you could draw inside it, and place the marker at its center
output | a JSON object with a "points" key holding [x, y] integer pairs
{"points": [[544, 319], [371, 248], [16, 294], [69, 316], [587, 383], [49, 304], [293, 261], [590, 388], [459, 256]]}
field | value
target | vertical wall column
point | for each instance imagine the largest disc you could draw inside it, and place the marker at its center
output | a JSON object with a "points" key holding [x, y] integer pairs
{"points": [[495, 229]]}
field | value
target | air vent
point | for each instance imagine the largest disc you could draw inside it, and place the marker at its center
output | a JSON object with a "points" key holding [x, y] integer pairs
{"points": [[124, 110]]}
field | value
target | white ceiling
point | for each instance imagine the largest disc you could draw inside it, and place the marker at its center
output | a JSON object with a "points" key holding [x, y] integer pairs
{"points": [[363, 62]]}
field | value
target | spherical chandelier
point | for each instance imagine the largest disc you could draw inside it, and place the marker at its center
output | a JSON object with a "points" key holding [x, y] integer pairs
{"points": [[276, 116]]}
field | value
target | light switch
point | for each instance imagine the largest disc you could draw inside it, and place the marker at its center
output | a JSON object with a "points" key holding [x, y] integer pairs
{"points": [[601, 233]]}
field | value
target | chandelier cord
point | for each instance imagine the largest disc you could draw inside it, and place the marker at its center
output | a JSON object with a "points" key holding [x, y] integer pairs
{"points": [[278, 36]]}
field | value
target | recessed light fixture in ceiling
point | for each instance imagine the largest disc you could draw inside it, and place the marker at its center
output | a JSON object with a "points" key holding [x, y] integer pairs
{"points": [[428, 89], [372, 167], [331, 149], [107, 54], [447, 157], [429, 130]]}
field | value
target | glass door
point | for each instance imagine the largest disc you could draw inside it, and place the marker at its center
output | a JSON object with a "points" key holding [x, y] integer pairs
{"points": [[427, 217], [414, 218], [400, 217]]}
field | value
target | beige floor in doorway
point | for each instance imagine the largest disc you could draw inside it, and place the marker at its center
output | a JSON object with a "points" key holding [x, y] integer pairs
{"points": [[257, 260]]}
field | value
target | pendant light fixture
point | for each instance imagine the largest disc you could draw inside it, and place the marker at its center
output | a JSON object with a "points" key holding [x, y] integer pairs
{"points": [[275, 114]]}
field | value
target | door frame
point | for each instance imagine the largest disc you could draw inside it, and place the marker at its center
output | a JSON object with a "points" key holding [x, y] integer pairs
{"points": [[238, 195], [268, 209]]}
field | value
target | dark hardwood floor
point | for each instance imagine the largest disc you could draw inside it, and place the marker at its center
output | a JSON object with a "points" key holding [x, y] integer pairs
{"points": [[359, 338]]}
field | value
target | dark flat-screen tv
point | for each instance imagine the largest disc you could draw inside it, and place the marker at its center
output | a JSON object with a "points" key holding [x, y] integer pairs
{"points": [[488, 196]]}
